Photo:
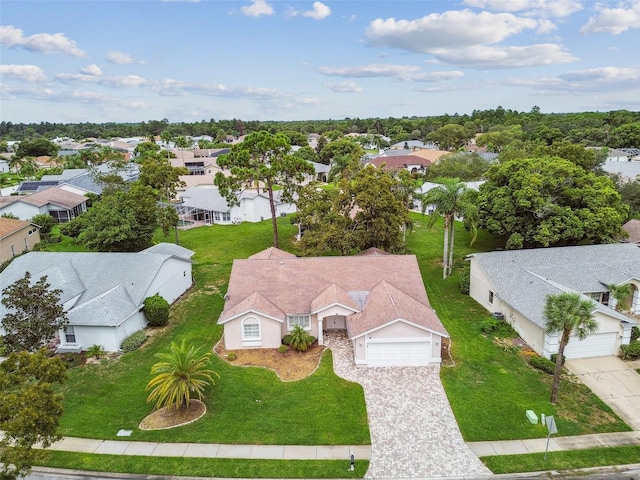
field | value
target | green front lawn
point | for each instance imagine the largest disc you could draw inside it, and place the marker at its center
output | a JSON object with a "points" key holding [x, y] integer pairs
{"points": [[490, 389], [247, 405]]}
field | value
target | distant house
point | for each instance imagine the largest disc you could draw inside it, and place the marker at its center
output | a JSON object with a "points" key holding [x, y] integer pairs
{"points": [[60, 204], [428, 186], [4, 166], [203, 203], [516, 283], [17, 236], [103, 293], [628, 171], [632, 227], [379, 300], [410, 163]]}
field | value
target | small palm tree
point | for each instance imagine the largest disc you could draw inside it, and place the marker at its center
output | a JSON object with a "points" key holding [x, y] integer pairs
{"points": [[571, 314], [182, 372], [300, 339], [451, 199], [620, 293]]}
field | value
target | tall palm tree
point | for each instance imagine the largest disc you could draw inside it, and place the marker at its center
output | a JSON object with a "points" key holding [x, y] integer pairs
{"points": [[450, 199], [182, 372], [571, 314]]}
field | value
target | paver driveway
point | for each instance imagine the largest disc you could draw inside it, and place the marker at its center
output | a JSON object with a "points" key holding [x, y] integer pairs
{"points": [[413, 430]]}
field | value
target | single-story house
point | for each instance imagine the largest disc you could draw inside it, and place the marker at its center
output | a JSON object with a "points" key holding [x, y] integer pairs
{"points": [[516, 284], [17, 236], [410, 163], [62, 205], [427, 186], [103, 293], [378, 299], [204, 203]]}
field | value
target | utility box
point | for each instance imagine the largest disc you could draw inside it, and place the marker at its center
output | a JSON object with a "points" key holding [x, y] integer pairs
{"points": [[533, 418], [498, 315]]}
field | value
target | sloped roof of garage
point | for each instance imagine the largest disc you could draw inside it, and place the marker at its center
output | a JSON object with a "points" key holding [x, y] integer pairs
{"points": [[295, 285], [524, 278]]}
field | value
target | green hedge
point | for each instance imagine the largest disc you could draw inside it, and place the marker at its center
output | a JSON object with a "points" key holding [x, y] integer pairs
{"points": [[156, 309], [133, 341], [630, 352], [543, 364]]}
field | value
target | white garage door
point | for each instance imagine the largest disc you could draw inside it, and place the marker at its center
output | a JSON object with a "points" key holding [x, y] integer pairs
{"points": [[595, 345], [398, 354]]}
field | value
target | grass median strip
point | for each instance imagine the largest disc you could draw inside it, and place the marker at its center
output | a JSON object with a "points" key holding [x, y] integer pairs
{"points": [[533, 462], [204, 467]]}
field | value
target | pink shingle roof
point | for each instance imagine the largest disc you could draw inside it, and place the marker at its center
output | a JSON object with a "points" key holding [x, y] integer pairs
{"points": [[254, 303], [397, 162], [299, 285]]}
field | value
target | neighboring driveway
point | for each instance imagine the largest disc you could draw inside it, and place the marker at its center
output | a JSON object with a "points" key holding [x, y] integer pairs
{"points": [[614, 382], [413, 430]]}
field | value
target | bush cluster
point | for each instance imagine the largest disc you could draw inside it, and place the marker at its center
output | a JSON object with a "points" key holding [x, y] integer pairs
{"points": [[156, 309], [231, 356], [465, 280], [630, 352], [282, 348], [543, 364], [554, 357], [133, 341]]}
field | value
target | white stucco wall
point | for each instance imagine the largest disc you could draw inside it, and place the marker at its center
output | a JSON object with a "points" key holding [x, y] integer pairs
{"points": [[109, 337], [172, 280], [24, 211]]}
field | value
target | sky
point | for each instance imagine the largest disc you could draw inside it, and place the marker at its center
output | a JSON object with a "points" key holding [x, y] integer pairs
{"points": [[188, 60]]}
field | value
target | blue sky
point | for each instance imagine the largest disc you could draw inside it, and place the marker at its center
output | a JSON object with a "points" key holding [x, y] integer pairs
{"points": [[132, 61]]}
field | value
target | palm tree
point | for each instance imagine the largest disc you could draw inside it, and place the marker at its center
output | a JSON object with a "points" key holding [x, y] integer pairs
{"points": [[450, 199], [620, 293], [182, 372], [300, 339], [572, 314]]}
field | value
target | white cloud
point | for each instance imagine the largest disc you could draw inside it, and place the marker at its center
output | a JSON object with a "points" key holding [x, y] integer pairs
{"points": [[507, 57], [467, 38], [428, 77], [603, 79], [121, 58], [373, 70], [257, 9], [343, 87], [615, 20], [451, 29], [319, 11], [26, 73], [551, 8], [47, 43], [92, 69]]}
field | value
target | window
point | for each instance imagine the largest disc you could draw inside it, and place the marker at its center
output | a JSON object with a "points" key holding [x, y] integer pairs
{"points": [[303, 320], [491, 297], [70, 334], [251, 329], [216, 216], [226, 216]]}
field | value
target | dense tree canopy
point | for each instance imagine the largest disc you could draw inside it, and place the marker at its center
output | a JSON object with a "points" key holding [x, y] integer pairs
{"points": [[262, 160], [36, 148], [158, 173], [34, 314], [342, 147], [369, 210], [547, 202], [30, 409], [464, 166], [121, 221]]}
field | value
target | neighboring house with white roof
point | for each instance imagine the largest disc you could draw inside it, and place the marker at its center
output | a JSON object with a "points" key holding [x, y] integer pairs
{"points": [[205, 204], [427, 186], [103, 293], [17, 236], [377, 298], [516, 283]]}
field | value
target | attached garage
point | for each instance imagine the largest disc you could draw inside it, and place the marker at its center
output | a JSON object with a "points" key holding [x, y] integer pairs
{"points": [[410, 352], [595, 345]]}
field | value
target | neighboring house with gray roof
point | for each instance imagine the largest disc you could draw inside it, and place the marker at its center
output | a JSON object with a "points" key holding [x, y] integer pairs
{"points": [[379, 300], [62, 205], [203, 203], [103, 293], [516, 283]]}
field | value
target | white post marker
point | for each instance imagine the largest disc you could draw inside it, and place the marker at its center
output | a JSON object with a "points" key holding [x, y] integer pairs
{"points": [[552, 428]]}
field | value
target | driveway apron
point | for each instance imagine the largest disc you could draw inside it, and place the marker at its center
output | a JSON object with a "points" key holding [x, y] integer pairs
{"points": [[614, 382], [413, 430]]}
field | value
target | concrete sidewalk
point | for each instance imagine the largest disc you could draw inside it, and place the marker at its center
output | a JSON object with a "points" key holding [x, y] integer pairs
{"points": [[204, 450], [538, 445]]}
